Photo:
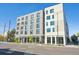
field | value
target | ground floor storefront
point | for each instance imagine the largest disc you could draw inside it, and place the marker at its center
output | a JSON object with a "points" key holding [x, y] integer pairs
{"points": [[54, 40]]}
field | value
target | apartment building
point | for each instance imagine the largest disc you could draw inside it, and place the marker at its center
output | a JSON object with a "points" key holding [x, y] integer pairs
{"points": [[46, 26]]}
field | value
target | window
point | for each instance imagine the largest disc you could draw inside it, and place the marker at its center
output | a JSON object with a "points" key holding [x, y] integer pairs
{"points": [[25, 28], [52, 16], [18, 19], [26, 22], [38, 26], [48, 39], [17, 33], [18, 24], [37, 31], [51, 10], [38, 20], [31, 32], [46, 11], [22, 23], [48, 17], [32, 16], [26, 17], [22, 18], [38, 14], [53, 29], [46, 23], [48, 30], [21, 32], [25, 32], [17, 28], [22, 27], [53, 40], [52, 23]]}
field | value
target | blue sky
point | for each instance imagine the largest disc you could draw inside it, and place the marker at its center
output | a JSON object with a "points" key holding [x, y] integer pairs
{"points": [[12, 11]]}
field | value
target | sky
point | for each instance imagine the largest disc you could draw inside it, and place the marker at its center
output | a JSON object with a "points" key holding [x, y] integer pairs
{"points": [[10, 11]]}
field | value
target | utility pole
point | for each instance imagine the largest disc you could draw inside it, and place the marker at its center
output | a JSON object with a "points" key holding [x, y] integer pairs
{"points": [[9, 29], [4, 29]]}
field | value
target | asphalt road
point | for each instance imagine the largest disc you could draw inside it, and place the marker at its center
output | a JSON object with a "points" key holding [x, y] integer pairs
{"points": [[36, 49]]}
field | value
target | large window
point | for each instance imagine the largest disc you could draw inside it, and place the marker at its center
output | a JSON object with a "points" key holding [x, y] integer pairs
{"points": [[53, 40], [52, 23], [48, 39], [51, 10], [48, 30], [60, 40], [48, 17]]}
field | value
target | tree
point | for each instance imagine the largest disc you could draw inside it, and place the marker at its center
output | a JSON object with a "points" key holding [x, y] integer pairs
{"points": [[74, 39], [11, 35], [77, 34], [2, 38]]}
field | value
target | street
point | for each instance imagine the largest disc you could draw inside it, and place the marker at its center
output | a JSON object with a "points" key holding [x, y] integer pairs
{"points": [[35, 49]]}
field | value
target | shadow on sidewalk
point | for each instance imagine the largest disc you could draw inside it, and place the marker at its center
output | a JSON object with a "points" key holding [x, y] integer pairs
{"points": [[11, 52]]}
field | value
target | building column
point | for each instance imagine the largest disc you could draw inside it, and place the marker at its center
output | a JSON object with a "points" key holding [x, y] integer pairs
{"points": [[64, 40], [51, 40], [45, 39], [55, 40], [23, 40]]}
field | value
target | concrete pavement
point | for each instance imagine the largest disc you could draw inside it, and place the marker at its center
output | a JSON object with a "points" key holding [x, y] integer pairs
{"points": [[36, 49]]}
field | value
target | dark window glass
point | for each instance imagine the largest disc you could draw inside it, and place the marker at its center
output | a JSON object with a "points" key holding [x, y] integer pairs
{"points": [[25, 32], [22, 27], [53, 29], [52, 23], [18, 19], [22, 18], [38, 26], [46, 11], [48, 30], [46, 23], [51, 10], [17, 28], [48, 39], [18, 24], [52, 16], [48, 17], [22, 23]]}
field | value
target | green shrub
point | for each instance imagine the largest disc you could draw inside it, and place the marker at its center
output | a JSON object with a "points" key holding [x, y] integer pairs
{"points": [[30, 38], [17, 40]]}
